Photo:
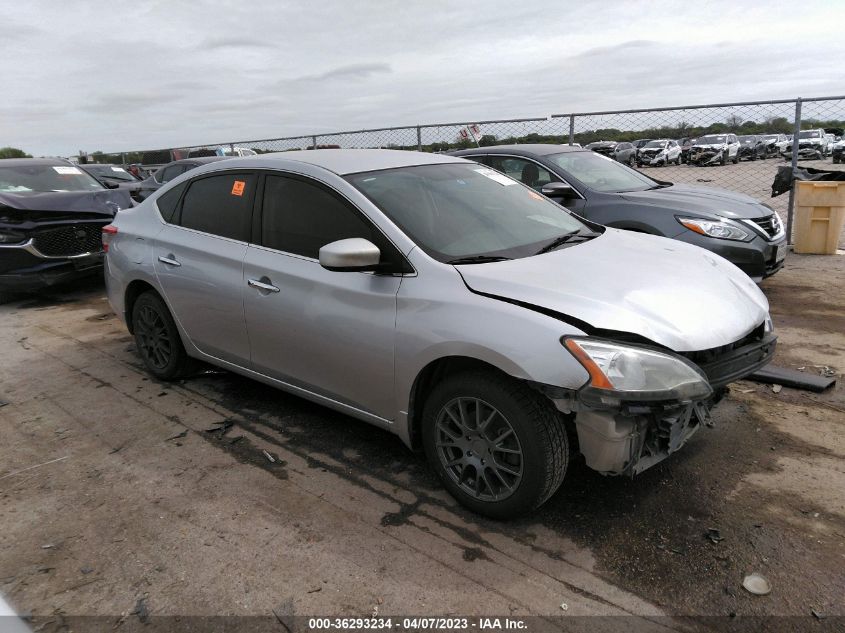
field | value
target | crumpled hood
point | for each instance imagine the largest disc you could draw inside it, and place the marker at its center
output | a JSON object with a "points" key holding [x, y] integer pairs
{"points": [[105, 201], [675, 294], [707, 201]]}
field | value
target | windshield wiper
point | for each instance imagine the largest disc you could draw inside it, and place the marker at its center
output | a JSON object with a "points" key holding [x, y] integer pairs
{"points": [[478, 259], [558, 241]]}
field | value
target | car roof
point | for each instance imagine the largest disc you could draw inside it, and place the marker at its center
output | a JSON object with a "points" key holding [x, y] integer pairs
{"points": [[343, 161], [538, 149], [201, 160], [15, 162]]}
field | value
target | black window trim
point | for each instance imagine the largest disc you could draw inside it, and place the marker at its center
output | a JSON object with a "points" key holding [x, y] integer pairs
{"points": [[332, 191]]}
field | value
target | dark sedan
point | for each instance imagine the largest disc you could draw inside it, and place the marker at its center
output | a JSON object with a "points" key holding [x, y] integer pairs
{"points": [[168, 172], [625, 153], [110, 176], [752, 147], [51, 215], [737, 227], [602, 147]]}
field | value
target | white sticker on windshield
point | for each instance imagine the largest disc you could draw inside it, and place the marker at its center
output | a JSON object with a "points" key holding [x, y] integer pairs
{"points": [[67, 170], [119, 169], [494, 175]]}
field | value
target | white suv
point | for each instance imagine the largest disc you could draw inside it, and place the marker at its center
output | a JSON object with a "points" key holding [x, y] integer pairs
{"points": [[711, 149]]}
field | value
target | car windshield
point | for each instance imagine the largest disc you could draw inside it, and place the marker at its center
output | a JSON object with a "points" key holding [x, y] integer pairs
{"points": [[770, 137], [711, 140], [41, 178], [115, 173], [656, 144], [601, 173], [809, 134], [458, 211]]}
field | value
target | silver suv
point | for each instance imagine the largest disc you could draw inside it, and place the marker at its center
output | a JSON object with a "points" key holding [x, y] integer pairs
{"points": [[443, 301]]}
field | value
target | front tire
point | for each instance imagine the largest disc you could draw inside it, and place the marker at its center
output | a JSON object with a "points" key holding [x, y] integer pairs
{"points": [[157, 338], [499, 447]]}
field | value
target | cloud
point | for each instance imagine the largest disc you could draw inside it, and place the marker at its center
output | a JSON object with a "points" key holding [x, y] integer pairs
{"points": [[609, 51], [232, 42], [351, 71]]}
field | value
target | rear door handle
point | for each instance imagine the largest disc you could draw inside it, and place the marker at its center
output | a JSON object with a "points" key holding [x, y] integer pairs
{"points": [[169, 261], [262, 285]]}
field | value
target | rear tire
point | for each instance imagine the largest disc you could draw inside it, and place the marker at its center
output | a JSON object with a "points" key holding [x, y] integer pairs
{"points": [[499, 447], [157, 338]]}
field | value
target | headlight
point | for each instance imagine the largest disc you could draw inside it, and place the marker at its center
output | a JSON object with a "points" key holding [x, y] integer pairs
{"points": [[768, 327], [724, 230], [10, 237], [623, 372]]}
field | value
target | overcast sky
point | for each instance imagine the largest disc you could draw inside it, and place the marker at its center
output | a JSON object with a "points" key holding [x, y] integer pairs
{"points": [[121, 75]]}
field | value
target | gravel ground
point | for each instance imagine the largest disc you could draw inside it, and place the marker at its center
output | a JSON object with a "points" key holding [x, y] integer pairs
{"points": [[115, 490]]}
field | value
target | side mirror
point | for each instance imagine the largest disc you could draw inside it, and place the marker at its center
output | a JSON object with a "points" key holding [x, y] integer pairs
{"points": [[351, 255], [558, 190]]}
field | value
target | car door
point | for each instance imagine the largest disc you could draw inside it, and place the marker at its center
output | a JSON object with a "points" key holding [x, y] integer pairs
{"points": [[673, 151], [733, 145], [199, 262], [330, 333]]}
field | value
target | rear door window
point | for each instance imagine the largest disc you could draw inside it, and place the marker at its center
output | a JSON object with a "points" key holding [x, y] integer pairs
{"points": [[525, 171], [220, 205]]}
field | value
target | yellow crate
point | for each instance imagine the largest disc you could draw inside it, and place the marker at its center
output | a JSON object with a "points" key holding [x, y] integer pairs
{"points": [[819, 217]]}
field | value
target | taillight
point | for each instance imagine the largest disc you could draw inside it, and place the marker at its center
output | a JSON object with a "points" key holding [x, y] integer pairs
{"points": [[107, 232]]}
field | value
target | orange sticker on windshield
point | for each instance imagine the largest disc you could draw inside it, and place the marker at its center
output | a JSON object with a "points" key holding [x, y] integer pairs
{"points": [[535, 195], [238, 188]]}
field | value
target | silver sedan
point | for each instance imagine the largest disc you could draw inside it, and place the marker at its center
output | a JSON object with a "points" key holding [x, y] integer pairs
{"points": [[443, 301]]}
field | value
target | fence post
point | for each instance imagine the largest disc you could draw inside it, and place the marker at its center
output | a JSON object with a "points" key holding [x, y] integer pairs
{"points": [[313, 142], [791, 209], [571, 129], [419, 139], [123, 159]]}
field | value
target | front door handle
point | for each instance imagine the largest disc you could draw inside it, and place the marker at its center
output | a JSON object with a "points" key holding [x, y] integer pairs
{"points": [[168, 260], [262, 284]]}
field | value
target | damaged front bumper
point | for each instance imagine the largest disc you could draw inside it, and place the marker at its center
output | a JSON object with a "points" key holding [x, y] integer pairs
{"points": [[626, 438], [705, 157]]}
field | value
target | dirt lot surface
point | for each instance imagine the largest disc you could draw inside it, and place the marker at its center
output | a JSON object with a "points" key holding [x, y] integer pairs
{"points": [[116, 488]]}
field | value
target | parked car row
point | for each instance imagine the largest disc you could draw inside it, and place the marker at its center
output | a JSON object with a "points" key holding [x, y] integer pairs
{"points": [[719, 149], [449, 300]]}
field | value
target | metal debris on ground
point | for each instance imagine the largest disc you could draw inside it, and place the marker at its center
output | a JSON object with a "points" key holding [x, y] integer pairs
{"points": [[269, 457], [714, 535], [141, 610], [757, 584], [49, 546], [817, 614], [776, 388], [221, 428]]}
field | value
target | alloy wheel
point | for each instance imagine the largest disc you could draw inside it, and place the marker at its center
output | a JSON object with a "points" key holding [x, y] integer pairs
{"points": [[153, 338], [479, 449]]}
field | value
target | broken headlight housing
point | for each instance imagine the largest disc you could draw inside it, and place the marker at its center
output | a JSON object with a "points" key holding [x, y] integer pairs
{"points": [[620, 372], [721, 229]]}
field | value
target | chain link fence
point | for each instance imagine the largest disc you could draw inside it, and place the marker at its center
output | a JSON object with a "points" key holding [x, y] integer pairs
{"points": [[735, 146]]}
